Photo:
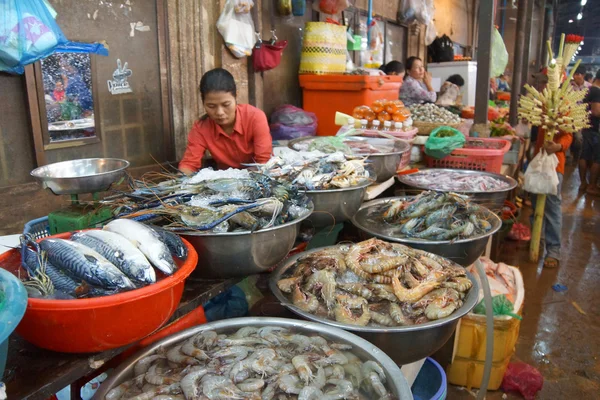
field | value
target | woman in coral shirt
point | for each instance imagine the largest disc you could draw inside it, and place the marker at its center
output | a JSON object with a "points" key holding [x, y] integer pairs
{"points": [[233, 133]]}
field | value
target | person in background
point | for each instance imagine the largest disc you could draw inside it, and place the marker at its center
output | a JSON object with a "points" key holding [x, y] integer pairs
{"points": [[417, 88], [233, 133], [578, 83], [552, 225], [502, 83], [450, 90], [493, 88], [589, 78], [590, 151], [58, 94], [394, 67]]}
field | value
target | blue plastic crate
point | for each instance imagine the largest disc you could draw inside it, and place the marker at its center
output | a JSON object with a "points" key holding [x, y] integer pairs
{"points": [[38, 228]]}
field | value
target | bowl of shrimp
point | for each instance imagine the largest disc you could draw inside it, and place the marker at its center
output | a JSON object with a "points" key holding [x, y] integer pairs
{"points": [[403, 300], [258, 358]]}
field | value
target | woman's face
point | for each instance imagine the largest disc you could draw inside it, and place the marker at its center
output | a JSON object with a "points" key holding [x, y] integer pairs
{"points": [[220, 107], [417, 71]]}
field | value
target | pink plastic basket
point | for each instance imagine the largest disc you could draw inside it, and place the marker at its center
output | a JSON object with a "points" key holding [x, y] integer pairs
{"points": [[478, 154]]}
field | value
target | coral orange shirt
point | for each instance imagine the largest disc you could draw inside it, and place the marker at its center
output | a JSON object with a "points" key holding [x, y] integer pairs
{"points": [[249, 142], [565, 139]]}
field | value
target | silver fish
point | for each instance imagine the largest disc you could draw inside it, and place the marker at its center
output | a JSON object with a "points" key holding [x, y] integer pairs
{"points": [[173, 242], [119, 251], [145, 239], [85, 263]]}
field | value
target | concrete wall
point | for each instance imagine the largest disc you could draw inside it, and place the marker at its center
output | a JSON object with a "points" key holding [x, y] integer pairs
{"points": [[454, 18]]}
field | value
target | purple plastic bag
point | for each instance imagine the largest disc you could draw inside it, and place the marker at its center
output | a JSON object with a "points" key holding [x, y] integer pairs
{"points": [[289, 122]]}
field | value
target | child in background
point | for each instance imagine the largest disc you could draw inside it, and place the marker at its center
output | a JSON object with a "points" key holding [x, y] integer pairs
{"points": [[450, 91], [394, 67]]}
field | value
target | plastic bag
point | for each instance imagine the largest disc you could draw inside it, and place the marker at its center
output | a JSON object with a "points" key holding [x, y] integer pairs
{"points": [[332, 6], [416, 10], [500, 306], [499, 55], [431, 34], [289, 122], [541, 177], [237, 29], [28, 32], [229, 304], [442, 141], [522, 378]]}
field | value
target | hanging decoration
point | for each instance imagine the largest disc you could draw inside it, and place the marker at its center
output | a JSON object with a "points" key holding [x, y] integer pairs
{"points": [[556, 108]]}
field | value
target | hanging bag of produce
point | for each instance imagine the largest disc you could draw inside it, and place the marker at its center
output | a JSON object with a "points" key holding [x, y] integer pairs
{"points": [[28, 32], [236, 26], [540, 177], [331, 6], [499, 56], [442, 141], [267, 55]]}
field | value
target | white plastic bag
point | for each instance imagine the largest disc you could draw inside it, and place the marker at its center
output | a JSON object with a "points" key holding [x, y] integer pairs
{"points": [[541, 177], [237, 29]]}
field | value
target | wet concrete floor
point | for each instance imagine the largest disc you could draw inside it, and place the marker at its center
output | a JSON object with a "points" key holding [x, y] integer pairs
{"points": [[562, 342]]}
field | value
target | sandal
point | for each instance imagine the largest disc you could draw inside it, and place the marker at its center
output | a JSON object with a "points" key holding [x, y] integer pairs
{"points": [[551, 262]]}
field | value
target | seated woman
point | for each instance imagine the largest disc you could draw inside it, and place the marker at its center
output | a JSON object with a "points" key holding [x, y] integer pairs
{"points": [[393, 68], [502, 83], [450, 90], [416, 88], [233, 133]]}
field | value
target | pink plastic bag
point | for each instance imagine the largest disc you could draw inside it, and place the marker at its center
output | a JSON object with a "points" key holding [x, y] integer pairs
{"points": [[333, 6], [522, 378]]}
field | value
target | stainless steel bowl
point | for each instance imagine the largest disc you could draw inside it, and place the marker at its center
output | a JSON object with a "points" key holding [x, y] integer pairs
{"points": [[492, 199], [231, 254], [463, 251], [384, 165], [88, 175], [404, 344], [333, 206], [396, 382]]}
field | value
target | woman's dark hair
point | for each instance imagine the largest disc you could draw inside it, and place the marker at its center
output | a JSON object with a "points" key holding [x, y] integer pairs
{"points": [[217, 80], [393, 66], [410, 61], [588, 76], [456, 79]]}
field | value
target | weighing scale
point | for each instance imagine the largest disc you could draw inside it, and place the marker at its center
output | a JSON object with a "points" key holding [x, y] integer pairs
{"points": [[91, 175]]}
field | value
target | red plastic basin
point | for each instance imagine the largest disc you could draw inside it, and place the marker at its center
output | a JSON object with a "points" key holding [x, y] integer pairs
{"points": [[103, 323]]}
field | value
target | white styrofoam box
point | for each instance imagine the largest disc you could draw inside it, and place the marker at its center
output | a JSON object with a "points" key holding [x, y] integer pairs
{"points": [[466, 69]]}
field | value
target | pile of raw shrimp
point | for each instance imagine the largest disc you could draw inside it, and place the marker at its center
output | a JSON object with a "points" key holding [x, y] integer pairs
{"points": [[254, 363], [375, 283]]}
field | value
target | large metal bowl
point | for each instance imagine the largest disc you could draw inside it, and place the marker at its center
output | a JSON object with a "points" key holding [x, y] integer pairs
{"points": [[232, 254], [404, 344], [492, 199], [88, 175], [384, 165], [396, 382], [333, 206], [463, 251]]}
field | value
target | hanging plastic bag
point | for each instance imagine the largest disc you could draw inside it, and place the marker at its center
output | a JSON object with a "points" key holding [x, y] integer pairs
{"points": [[431, 33], [442, 141], [522, 378], [499, 55], [541, 177], [237, 29], [289, 122], [28, 32], [332, 6]]}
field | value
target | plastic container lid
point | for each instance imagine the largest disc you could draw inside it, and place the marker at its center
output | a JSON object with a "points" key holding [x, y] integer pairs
{"points": [[398, 125], [387, 124], [364, 122], [350, 121], [376, 123]]}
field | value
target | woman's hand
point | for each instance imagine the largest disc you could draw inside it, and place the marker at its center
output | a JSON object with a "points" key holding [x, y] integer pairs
{"points": [[427, 81]]}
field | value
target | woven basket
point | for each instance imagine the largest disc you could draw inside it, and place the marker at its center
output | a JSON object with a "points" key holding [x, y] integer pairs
{"points": [[323, 49], [425, 128]]}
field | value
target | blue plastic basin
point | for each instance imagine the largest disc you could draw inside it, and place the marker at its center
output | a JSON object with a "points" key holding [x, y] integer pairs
{"points": [[431, 382], [13, 302]]}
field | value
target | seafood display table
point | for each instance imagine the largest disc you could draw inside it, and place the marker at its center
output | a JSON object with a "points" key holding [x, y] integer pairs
{"points": [[36, 374]]}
